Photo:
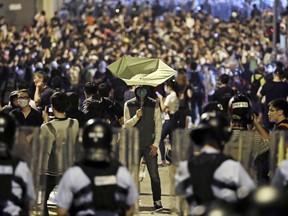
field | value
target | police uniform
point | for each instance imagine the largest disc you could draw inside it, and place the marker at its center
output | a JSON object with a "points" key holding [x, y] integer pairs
{"points": [[211, 175], [280, 179], [126, 191], [16, 186], [99, 184], [230, 173]]}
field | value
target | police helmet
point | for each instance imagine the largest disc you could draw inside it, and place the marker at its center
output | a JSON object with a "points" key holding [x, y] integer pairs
{"points": [[240, 109], [214, 123], [213, 107], [7, 131], [97, 138]]}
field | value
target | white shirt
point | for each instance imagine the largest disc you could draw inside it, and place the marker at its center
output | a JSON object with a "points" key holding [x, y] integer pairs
{"points": [[172, 102]]}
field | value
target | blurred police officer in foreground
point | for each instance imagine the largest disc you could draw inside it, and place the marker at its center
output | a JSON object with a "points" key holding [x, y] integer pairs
{"points": [[211, 175], [16, 184], [99, 184]]}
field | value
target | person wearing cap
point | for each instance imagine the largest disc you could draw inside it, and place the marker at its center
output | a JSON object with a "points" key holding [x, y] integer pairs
{"points": [[104, 186], [13, 102], [144, 113], [16, 188], [211, 175], [25, 114]]}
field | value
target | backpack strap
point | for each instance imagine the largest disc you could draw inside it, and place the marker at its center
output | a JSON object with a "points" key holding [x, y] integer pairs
{"points": [[254, 76], [71, 123], [51, 129]]}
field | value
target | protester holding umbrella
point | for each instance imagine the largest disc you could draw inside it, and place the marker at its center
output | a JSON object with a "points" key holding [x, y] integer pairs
{"points": [[142, 111]]}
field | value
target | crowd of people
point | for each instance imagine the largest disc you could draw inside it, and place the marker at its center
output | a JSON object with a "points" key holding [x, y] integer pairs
{"points": [[54, 76]]}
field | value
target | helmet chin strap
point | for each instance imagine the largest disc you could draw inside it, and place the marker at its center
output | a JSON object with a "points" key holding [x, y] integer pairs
{"points": [[99, 155], [4, 151]]}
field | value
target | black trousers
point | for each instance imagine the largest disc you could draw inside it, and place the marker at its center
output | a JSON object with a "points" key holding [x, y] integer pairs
{"points": [[51, 182]]}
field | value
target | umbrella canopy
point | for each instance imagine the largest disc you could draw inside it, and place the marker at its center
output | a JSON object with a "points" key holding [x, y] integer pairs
{"points": [[141, 71]]}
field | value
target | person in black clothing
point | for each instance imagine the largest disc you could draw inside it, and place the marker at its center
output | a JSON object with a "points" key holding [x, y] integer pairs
{"points": [[73, 111], [113, 111], [43, 92], [25, 114], [255, 11], [198, 91], [224, 93], [92, 106], [13, 103], [278, 114], [185, 95], [274, 89]]}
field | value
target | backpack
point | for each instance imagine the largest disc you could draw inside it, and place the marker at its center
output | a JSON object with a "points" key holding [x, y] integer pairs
{"points": [[53, 168], [196, 84], [255, 85]]}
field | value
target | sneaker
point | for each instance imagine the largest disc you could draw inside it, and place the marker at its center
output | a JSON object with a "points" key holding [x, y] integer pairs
{"points": [[158, 205], [162, 163]]}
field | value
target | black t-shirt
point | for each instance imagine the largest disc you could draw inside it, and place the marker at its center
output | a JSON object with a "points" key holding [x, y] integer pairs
{"points": [[45, 97], [34, 118], [223, 95], [274, 90]]}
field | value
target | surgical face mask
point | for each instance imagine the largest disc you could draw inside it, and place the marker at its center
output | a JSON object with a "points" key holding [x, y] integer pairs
{"points": [[166, 89], [23, 102]]}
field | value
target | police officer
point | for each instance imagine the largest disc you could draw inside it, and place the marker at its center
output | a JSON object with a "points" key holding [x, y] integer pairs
{"points": [[243, 119], [99, 184], [211, 175], [16, 188]]}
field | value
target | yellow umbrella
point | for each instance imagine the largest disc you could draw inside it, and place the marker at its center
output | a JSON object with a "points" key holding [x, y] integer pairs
{"points": [[141, 71]]}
